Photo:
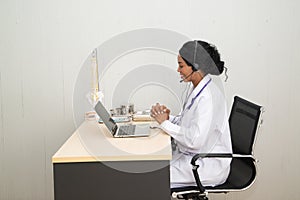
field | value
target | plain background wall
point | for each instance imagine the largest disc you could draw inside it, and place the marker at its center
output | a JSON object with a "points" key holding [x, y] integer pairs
{"points": [[44, 43]]}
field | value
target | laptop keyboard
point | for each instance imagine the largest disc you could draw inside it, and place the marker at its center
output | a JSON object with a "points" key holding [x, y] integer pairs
{"points": [[127, 129]]}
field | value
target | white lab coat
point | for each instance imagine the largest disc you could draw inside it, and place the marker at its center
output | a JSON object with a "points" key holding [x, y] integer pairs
{"points": [[203, 128]]}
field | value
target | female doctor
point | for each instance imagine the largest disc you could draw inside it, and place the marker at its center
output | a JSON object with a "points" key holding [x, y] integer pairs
{"points": [[202, 126]]}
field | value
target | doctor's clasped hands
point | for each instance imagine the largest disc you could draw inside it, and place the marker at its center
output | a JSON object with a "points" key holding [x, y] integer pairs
{"points": [[160, 113]]}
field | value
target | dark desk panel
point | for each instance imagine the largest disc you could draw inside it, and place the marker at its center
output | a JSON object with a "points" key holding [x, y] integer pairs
{"points": [[97, 181]]}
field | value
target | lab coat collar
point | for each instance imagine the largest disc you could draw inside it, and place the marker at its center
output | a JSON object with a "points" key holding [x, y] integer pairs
{"points": [[200, 85]]}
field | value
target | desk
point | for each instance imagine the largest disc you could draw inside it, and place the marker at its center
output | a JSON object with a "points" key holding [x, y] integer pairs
{"points": [[94, 165]]}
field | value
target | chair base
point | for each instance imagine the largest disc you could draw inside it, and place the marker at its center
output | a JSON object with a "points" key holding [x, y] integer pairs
{"points": [[188, 193], [192, 196]]}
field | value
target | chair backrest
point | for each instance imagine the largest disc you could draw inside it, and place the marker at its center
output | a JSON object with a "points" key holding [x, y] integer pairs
{"points": [[243, 121]]}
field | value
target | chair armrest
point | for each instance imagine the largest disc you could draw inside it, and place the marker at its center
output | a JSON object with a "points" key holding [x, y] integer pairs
{"points": [[210, 155], [218, 155], [195, 167]]}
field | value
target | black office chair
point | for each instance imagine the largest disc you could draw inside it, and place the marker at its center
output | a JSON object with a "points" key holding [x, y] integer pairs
{"points": [[244, 122]]}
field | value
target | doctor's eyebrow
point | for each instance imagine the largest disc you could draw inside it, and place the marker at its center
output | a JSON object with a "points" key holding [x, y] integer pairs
{"points": [[180, 64]]}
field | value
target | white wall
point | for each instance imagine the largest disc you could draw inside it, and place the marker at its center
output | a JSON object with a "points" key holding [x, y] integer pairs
{"points": [[43, 45]]}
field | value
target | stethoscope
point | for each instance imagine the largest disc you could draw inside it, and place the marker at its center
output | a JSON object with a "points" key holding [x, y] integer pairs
{"points": [[197, 95], [185, 108]]}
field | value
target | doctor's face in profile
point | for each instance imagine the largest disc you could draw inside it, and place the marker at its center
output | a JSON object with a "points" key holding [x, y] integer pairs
{"points": [[184, 70]]}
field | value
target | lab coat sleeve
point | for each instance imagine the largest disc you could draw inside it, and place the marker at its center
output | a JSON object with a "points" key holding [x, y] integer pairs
{"points": [[170, 128], [174, 119], [171, 117]]}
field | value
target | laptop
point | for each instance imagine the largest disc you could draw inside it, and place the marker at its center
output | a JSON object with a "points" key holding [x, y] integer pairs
{"points": [[124, 130]]}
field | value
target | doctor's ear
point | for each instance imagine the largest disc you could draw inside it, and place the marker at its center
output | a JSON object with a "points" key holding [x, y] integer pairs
{"points": [[193, 68]]}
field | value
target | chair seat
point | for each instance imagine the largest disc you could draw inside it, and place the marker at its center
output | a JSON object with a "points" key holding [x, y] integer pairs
{"points": [[241, 176], [223, 188], [187, 188]]}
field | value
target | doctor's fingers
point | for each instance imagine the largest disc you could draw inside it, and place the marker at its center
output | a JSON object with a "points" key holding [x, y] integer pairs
{"points": [[164, 109], [161, 117], [155, 115], [160, 109], [154, 109]]}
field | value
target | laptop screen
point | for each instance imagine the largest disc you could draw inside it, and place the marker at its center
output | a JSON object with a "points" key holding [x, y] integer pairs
{"points": [[105, 116]]}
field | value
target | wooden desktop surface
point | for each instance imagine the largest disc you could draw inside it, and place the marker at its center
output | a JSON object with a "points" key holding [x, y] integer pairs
{"points": [[92, 142]]}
